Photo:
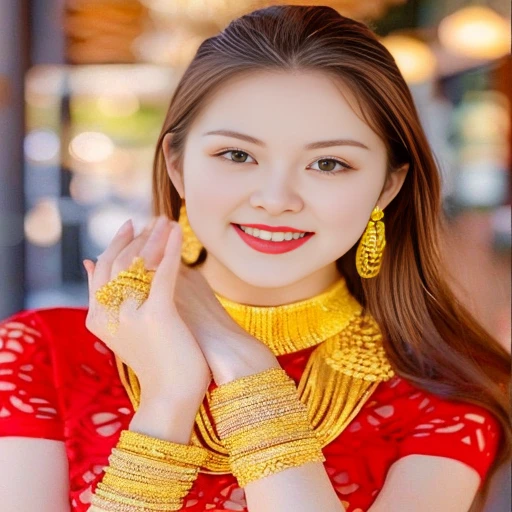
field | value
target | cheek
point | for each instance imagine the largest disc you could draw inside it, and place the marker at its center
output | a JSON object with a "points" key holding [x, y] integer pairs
{"points": [[211, 199], [344, 217]]}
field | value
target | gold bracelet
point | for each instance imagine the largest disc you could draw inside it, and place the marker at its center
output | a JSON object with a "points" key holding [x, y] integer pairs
{"points": [[146, 474], [120, 498], [263, 425], [156, 490], [102, 505], [159, 449], [157, 469]]}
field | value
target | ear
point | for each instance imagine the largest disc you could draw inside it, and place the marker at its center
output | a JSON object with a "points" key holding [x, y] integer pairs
{"points": [[173, 172], [392, 186]]}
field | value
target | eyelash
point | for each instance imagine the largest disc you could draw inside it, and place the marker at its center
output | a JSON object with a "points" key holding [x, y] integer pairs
{"points": [[345, 166]]}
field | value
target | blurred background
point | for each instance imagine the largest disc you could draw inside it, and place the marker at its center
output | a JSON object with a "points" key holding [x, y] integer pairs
{"points": [[85, 84]]}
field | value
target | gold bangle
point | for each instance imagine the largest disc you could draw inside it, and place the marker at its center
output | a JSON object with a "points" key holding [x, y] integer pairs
{"points": [[118, 498], [147, 473], [270, 431], [102, 505], [156, 490], [160, 470], [159, 449]]}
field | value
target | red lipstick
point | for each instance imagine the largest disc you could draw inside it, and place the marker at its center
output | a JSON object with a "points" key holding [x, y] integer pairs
{"points": [[267, 246]]}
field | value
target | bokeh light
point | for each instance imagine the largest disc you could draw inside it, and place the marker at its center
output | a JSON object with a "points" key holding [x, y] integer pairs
{"points": [[43, 225]]}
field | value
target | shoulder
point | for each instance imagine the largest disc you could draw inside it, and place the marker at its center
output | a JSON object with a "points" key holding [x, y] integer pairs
{"points": [[58, 331], [46, 318], [422, 422], [414, 403], [30, 403]]}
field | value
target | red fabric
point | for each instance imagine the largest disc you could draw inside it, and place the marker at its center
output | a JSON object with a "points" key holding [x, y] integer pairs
{"points": [[58, 381]]}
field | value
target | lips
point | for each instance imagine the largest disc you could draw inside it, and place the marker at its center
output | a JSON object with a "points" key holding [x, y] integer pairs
{"points": [[267, 246]]}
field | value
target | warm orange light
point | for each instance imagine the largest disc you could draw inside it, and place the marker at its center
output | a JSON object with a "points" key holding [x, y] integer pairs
{"points": [[413, 57], [475, 31]]}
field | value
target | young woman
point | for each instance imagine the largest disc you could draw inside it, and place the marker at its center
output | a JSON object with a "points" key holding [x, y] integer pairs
{"points": [[306, 353]]}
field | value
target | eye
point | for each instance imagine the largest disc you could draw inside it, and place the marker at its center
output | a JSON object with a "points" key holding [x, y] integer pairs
{"points": [[329, 165], [238, 156]]}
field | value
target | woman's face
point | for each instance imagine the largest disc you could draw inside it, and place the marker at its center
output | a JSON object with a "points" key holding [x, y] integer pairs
{"points": [[280, 149]]}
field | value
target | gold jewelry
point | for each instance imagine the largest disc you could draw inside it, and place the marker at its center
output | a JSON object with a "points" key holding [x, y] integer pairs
{"points": [[371, 246], [269, 437], [158, 449], [336, 382], [134, 283], [147, 473], [191, 246]]}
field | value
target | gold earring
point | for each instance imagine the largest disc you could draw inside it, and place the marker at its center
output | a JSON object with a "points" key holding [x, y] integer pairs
{"points": [[191, 247], [371, 247]]}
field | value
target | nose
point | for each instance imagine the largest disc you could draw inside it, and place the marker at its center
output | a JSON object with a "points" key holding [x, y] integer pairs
{"points": [[276, 194]]}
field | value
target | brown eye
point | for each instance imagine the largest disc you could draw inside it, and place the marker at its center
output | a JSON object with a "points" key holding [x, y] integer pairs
{"points": [[239, 156], [326, 165]]}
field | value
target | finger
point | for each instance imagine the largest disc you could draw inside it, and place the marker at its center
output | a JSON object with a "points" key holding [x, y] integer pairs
{"points": [[89, 269], [122, 238], [126, 256], [164, 280], [154, 249]]}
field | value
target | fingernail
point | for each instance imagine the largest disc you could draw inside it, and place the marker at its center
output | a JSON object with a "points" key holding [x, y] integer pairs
{"points": [[125, 227], [84, 263]]}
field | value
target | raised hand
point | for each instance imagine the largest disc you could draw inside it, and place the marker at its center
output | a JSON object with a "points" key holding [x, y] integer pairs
{"points": [[152, 339], [231, 352]]}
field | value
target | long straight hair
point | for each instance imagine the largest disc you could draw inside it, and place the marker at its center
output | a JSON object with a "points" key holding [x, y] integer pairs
{"points": [[430, 338]]}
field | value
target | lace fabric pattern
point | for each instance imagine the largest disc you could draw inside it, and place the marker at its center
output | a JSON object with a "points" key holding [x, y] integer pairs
{"points": [[58, 381]]}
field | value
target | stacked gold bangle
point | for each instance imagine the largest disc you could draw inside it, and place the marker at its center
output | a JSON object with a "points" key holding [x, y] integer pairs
{"points": [[263, 425], [147, 474]]}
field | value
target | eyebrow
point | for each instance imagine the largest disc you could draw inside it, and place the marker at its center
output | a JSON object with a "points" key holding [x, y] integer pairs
{"points": [[311, 145]]}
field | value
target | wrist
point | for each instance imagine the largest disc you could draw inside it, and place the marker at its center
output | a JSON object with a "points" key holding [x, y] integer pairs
{"points": [[243, 367], [165, 417]]}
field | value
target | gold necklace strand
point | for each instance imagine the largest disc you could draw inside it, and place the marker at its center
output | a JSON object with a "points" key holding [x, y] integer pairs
{"points": [[292, 327], [340, 375]]}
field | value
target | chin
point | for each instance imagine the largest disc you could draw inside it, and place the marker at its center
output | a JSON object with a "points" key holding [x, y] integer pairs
{"points": [[266, 278]]}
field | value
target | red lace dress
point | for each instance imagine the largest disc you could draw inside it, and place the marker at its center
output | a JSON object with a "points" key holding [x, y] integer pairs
{"points": [[58, 381]]}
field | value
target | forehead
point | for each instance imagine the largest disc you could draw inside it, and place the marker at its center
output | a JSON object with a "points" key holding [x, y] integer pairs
{"points": [[299, 104]]}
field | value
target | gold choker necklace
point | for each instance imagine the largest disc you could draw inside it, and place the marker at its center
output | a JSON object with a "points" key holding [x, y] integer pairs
{"points": [[292, 327], [341, 374]]}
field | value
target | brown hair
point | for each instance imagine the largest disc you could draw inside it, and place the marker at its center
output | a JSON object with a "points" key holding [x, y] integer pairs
{"points": [[431, 339]]}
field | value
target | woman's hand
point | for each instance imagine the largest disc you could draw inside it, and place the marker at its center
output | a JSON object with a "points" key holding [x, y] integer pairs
{"points": [[231, 352], [153, 339]]}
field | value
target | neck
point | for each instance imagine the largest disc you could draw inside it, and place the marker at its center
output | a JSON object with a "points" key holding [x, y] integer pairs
{"points": [[224, 282], [294, 326]]}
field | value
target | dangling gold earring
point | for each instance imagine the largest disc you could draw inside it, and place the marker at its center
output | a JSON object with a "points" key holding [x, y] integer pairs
{"points": [[191, 247], [371, 247]]}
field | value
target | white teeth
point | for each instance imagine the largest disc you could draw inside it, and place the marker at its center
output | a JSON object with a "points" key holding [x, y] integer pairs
{"points": [[274, 236]]}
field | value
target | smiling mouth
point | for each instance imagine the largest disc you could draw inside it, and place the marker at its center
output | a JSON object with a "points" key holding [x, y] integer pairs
{"points": [[273, 236]]}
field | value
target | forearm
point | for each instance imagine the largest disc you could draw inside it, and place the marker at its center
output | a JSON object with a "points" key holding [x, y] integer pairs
{"points": [[165, 418], [303, 488]]}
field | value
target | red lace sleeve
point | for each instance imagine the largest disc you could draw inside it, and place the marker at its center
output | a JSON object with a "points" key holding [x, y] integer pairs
{"points": [[458, 430], [29, 404]]}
